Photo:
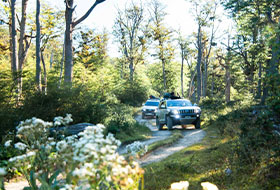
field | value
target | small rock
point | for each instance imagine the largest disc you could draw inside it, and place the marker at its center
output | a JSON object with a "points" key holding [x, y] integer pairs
{"points": [[72, 129]]}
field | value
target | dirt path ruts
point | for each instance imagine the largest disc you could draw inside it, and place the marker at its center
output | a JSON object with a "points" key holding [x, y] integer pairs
{"points": [[190, 137], [156, 134]]}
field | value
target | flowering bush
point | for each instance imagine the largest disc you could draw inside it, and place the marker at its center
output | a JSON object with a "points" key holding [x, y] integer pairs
{"points": [[85, 161], [136, 149]]}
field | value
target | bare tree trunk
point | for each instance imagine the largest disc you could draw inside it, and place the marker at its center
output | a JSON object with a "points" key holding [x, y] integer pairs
{"points": [[14, 46], [38, 36], [259, 90], [228, 81], [213, 84], [51, 60], [161, 57], [68, 67], [198, 66], [182, 73], [205, 79], [163, 74], [11, 50], [45, 81], [61, 65], [122, 68], [22, 51], [191, 84], [131, 69]]}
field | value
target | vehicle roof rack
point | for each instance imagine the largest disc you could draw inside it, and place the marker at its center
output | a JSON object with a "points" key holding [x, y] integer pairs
{"points": [[171, 96]]}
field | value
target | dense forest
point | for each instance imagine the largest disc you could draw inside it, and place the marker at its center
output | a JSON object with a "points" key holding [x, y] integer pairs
{"points": [[52, 65]]}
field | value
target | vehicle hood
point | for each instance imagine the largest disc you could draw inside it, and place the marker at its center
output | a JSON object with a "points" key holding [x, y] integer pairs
{"points": [[184, 108], [149, 107]]}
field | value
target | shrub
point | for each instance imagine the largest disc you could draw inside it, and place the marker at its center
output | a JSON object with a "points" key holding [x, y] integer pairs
{"points": [[84, 161], [120, 119], [132, 93]]}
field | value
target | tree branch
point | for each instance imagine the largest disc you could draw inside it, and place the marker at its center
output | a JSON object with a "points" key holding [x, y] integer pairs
{"points": [[87, 13]]}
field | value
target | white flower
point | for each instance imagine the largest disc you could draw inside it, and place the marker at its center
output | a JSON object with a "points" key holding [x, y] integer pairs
{"points": [[103, 150], [12, 159], [130, 181], [66, 187], [20, 146], [108, 178], [68, 118], [61, 145], [57, 123], [2, 171], [29, 154], [8, 143], [182, 185]]}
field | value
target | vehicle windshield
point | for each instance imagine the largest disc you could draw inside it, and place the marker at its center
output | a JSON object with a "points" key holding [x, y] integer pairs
{"points": [[179, 103], [151, 103]]}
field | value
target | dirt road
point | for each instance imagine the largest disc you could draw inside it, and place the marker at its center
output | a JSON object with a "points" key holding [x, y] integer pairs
{"points": [[190, 137], [156, 134]]}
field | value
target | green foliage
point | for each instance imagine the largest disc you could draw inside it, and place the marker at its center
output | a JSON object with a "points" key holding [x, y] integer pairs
{"points": [[92, 49], [274, 99], [172, 74], [120, 119], [82, 103], [127, 92]]}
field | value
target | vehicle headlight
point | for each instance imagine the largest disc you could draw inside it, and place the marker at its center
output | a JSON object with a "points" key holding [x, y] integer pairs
{"points": [[175, 111], [197, 110]]}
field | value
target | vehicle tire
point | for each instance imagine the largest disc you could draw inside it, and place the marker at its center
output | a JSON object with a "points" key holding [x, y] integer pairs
{"points": [[197, 123], [143, 116], [159, 126], [169, 123]]}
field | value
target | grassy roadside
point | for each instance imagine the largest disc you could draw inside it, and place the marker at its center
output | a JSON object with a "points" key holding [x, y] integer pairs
{"points": [[137, 133], [127, 129], [194, 164]]}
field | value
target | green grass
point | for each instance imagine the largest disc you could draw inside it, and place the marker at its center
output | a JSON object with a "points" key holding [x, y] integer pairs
{"points": [[176, 135], [137, 133]]}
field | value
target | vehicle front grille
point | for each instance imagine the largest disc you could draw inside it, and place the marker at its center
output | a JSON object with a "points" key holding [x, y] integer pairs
{"points": [[187, 111], [150, 110]]}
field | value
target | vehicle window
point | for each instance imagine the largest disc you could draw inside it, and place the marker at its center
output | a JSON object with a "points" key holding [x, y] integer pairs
{"points": [[179, 103], [162, 105], [151, 103]]}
